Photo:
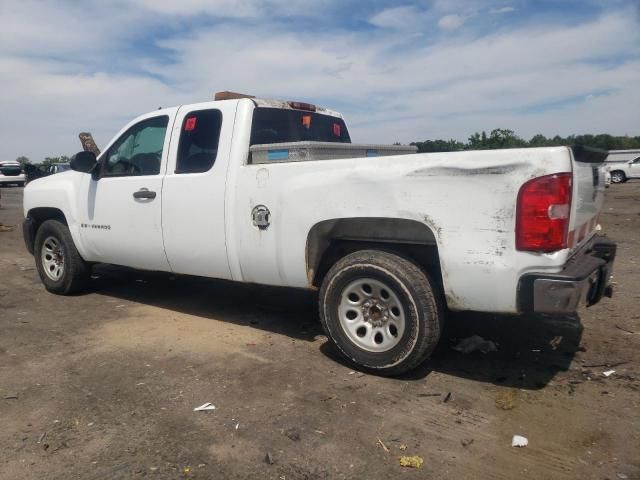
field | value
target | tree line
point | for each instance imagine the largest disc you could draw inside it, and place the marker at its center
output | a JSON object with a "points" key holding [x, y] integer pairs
{"points": [[22, 160], [505, 138]]}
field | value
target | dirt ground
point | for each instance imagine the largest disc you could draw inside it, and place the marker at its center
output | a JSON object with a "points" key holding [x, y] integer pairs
{"points": [[103, 385]]}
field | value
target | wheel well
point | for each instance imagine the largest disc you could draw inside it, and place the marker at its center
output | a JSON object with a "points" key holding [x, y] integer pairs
{"points": [[618, 171], [41, 214], [331, 240]]}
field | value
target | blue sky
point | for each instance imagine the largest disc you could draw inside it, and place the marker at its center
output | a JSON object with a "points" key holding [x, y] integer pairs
{"points": [[398, 71]]}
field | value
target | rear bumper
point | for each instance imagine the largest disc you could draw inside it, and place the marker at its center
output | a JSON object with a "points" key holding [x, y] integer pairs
{"points": [[584, 280]]}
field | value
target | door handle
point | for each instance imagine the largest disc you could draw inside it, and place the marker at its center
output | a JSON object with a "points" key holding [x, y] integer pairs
{"points": [[144, 193]]}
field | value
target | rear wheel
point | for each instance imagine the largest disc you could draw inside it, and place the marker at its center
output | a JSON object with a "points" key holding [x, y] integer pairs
{"points": [[59, 264], [618, 176], [380, 311]]}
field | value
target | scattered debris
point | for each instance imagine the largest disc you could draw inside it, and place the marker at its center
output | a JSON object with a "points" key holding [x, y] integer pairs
{"points": [[473, 343], [5, 228], [403, 447], [268, 458], [237, 425], [555, 342], [42, 437], [293, 434], [447, 397], [186, 470], [505, 399], [606, 364], [11, 397], [411, 462], [205, 407], [320, 432], [384, 447], [624, 329], [608, 373], [466, 442], [519, 441]]}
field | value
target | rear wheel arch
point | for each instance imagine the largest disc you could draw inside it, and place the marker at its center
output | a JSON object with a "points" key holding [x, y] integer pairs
{"points": [[330, 240]]}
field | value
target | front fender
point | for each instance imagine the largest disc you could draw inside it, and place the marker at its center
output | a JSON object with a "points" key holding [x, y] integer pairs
{"points": [[57, 193]]}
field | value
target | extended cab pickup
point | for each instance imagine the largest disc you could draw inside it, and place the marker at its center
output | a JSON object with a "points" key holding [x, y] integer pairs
{"points": [[274, 193]]}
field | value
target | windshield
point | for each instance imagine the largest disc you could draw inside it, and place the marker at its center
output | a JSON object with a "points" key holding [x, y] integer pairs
{"points": [[279, 125]]}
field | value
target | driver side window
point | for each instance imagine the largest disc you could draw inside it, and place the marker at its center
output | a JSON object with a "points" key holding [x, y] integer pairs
{"points": [[138, 151]]}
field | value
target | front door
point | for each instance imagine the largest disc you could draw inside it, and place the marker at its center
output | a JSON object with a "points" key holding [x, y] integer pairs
{"points": [[122, 223]]}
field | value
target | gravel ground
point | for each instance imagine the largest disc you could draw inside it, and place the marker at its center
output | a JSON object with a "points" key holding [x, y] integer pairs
{"points": [[103, 385]]}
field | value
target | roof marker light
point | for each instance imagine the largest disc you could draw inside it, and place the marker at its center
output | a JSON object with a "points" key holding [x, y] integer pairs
{"points": [[309, 107]]}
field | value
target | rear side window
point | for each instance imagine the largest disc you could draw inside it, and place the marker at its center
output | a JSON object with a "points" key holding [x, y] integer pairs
{"points": [[199, 138], [279, 125]]}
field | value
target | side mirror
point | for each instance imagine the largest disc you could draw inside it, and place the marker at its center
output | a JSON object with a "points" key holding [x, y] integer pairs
{"points": [[83, 162]]}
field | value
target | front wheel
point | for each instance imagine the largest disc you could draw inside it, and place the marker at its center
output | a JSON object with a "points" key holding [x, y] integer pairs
{"points": [[60, 266], [380, 311], [618, 177]]}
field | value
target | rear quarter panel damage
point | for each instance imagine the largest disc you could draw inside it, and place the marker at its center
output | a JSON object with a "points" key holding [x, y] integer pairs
{"points": [[467, 199]]}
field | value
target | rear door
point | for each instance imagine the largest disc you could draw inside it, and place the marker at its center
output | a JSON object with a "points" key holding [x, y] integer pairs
{"points": [[193, 197], [588, 194]]}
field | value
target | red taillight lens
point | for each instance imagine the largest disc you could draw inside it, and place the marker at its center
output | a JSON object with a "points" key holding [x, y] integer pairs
{"points": [[542, 214]]}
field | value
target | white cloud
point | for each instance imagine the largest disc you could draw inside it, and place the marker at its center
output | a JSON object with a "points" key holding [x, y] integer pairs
{"points": [[451, 22], [498, 11], [397, 17], [235, 8]]}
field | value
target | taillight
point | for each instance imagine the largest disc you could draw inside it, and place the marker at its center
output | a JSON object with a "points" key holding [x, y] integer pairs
{"points": [[542, 213]]}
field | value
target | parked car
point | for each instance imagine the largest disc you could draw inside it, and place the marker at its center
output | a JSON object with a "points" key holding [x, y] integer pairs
{"points": [[274, 193], [623, 165], [11, 173]]}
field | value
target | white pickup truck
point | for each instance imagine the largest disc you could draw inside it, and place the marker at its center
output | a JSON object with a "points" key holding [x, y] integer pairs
{"points": [[253, 191]]}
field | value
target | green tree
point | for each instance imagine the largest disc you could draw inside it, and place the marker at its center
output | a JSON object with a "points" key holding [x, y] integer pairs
{"points": [[439, 146], [22, 160], [506, 138]]}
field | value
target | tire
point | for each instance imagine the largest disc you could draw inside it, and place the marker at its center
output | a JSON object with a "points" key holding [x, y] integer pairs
{"points": [[380, 311], [59, 264], [618, 176]]}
